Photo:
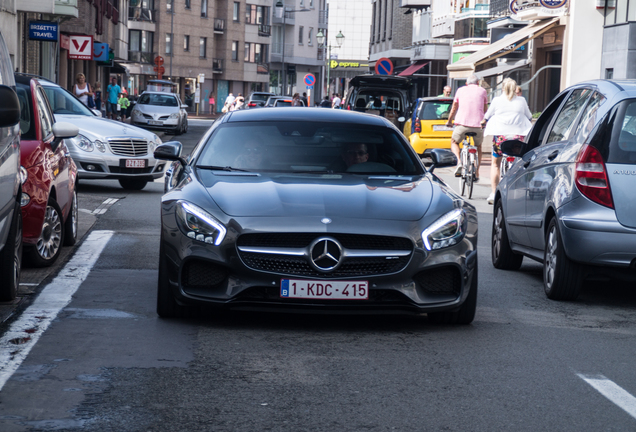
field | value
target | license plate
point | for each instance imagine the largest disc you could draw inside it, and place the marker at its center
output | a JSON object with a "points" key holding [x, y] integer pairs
{"points": [[324, 290], [135, 163], [155, 122], [442, 128]]}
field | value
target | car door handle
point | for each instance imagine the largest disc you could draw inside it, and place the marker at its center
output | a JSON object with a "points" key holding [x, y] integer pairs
{"points": [[553, 155]]}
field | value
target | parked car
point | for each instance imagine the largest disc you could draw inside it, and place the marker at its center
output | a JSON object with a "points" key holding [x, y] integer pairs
{"points": [[388, 96], [426, 126], [280, 101], [10, 180], [105, 149], [160, 110], [49, 198], [569, 202], [258, 99], [313, 210]]}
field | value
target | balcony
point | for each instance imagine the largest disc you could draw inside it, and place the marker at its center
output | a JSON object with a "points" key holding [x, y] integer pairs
{"points": [[290, 18], [321, 54], [219, 25], [264, 30], [137, 13], [262, 68], [217, 65], [276, 55], [141, 56]]}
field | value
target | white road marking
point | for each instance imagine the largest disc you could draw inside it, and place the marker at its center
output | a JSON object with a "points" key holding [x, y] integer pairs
{"points": [[23, 334], [613, 392], [103, 207]]}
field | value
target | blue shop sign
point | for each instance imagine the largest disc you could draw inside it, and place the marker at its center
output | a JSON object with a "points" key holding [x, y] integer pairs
{"points": [[43, 30]]}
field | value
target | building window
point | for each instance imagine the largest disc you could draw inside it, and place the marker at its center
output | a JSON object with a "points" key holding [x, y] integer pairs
{"points": [[386, 16], [168, 43], [169, 5], [235, 50], [188, 4], [609, 73], [256, 14], [379, 16], [204, 8], [391, 22], [235, 13], [202, 45], [186, 43], [300, 34], [310, 36], [255, 52], [373, 22], [311, 4], [140, 46]]}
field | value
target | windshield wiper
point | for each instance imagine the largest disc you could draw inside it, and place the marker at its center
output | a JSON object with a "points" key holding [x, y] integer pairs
{"points": [[220, 168]]}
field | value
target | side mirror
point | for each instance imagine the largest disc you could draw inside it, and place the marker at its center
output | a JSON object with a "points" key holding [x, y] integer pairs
{"points": [[61, 131], [171, 151], [97, 112], [514, 147], [184, 106], [442, 158], [10, 107]]}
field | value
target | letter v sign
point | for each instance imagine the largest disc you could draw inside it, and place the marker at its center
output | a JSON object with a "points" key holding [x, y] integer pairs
{"points": [[80, 47]]}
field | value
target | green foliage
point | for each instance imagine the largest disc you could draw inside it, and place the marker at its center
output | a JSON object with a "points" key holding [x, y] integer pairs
{"points": [[536, 115]]}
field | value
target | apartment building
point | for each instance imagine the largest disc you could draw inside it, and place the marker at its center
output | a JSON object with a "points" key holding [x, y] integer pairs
{"points": [[391, 34]]}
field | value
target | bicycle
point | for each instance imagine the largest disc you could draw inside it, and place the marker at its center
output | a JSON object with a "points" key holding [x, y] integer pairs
{"points": [[468, 156]]}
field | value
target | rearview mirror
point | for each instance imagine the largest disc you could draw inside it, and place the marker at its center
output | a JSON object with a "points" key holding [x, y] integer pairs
{"points": [[442, 158], [171, 151], [184, 106], [513, 147], [61, 131]]}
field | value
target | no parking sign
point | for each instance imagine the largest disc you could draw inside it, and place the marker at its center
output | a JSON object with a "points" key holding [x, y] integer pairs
{"points": [[384, 66], [309, 80]]}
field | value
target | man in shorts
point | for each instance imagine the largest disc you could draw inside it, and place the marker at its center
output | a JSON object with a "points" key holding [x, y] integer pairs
{"points": [[469, 106], [112, 95]]}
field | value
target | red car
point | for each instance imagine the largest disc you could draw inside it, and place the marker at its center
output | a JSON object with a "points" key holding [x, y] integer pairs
{"points": [[48, 175]]}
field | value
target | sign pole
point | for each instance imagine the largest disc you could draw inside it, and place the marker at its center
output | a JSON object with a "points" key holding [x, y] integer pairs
{"points": [[308, 97]]}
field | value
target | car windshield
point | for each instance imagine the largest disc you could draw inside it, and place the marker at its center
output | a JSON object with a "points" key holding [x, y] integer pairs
{"points": [[308, 147], [158, 100], [63, 102], [434, 110]]}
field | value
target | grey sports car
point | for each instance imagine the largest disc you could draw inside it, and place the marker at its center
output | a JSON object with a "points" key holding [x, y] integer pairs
{"points": [[314, 210], [569, 200]]}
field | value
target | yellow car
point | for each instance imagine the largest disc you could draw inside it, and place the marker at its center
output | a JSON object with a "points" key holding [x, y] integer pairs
{"points": [[426, 128]]}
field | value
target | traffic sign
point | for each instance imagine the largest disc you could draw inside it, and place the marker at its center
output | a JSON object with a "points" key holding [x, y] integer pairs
{"points": [[159, 69], [384, 66], [310, 87], [158, 60], [310, 80]]}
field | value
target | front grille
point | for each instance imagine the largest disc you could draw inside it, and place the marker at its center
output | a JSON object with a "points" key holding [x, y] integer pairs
{"points": [[202, 274], [440, 280], [128, 146], [149, 117], [359, 266], [164, 117]]}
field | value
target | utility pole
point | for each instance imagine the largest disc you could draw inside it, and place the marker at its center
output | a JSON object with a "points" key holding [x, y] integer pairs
{"points": [[171, 35]]}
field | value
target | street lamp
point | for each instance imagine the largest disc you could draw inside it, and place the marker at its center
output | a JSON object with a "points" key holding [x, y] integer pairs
{"points": [[320, 38], [280, 12]]}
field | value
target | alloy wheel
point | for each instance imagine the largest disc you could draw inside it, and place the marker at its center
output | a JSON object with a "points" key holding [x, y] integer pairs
{"points": [[550, 257], [51, 238]]}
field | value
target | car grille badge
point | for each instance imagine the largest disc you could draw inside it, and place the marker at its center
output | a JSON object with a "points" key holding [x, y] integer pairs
{"points": [[326, 254]]}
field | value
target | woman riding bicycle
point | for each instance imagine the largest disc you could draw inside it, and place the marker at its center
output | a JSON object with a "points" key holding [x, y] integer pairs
{"points": [[508, 118]]}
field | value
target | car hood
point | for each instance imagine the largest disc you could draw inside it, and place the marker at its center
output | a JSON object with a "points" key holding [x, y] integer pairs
{"points": [[101, 128], [358, 197]]}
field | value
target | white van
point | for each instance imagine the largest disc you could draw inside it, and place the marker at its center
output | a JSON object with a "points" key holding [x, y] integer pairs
{"points": [[10, 180]]}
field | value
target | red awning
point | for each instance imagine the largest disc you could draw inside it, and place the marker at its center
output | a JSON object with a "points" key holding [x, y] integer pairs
{"points": [[413, 68]]}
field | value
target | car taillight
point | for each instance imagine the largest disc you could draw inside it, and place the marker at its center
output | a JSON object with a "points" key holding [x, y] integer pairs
{"points": [[251, 104], [418, 126], [591, 176], [349, 107]]}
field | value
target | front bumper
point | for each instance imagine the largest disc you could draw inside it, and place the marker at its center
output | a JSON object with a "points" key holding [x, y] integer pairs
{"points": [[221, 276], [107, 166]]}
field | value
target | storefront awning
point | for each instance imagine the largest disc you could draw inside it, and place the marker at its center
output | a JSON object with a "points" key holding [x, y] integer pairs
{"points": [[466, 66], [501, 69], [413, 68]]}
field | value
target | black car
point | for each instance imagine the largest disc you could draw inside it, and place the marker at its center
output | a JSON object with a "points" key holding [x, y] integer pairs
{"points": [[314, 210], [258, 99], [388, 96], [280, 101]]}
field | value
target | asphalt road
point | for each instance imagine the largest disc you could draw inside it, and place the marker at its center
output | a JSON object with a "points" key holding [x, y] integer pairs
{"points": [[107, 362]]}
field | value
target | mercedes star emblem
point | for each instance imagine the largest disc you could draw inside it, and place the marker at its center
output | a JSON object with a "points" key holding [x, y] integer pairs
{"points": [[326, 253]]}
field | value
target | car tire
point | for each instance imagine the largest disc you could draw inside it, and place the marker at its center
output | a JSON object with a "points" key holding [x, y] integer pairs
{"points": [[503, 257], [11, 258], [133, 184], [49, 245], [167, 306], [71, 225], [466, 313], [562, 277]]}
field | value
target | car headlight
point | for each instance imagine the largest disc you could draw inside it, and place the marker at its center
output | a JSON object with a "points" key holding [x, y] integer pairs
{"points": [[152, 145], [198, 224], [136, 113], [445, 231], [84, 143], [174, 115], [24, 175], [100, 146]]}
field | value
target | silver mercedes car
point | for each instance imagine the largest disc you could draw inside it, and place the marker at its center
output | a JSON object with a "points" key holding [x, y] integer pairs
{"points": [[105, 149], [567, 202]]}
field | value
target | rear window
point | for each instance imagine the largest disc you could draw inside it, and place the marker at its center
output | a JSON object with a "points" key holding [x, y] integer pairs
{"points": [[308, 147], [377, 101], [283, 103], [434, 110], [615, 135]]}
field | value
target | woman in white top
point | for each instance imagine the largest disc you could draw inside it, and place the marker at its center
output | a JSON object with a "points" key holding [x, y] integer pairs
{"points": [[508, 117], [81, 89]]}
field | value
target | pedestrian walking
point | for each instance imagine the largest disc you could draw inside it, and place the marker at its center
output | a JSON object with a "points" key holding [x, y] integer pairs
{"points": [[304, 98], [229, 100], [211, 102], [508, 117], [239, 103], [123, 104], [98, 96], [469, 106], [446, 92], [82, 89], [325, 102], [112, 93], [296, 101], [335, 103]]}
